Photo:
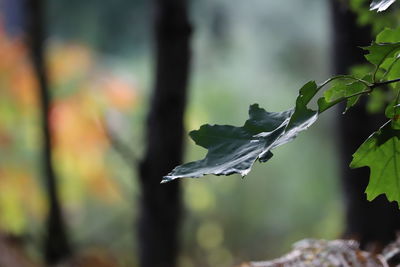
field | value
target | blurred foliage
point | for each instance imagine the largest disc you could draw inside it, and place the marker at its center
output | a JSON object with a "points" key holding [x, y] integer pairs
{"points": [[377, 21], [113, 27], [83, 92], [19, 190], [100, 69]]}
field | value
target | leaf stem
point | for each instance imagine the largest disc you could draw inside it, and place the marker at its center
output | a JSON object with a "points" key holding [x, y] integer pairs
{"points": [[357, 94], [396, 107], [367, 84], [391, 66], [339, 100], [376, 84]]}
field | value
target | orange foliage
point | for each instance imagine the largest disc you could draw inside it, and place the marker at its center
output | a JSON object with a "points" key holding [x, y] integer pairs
{"points": [[66, 62], [76, 119], [119, 93], [15, 71], [82, 94]]}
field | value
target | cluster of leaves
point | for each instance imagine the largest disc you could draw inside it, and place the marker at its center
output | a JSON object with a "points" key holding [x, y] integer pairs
{"points": [[235, 149]]}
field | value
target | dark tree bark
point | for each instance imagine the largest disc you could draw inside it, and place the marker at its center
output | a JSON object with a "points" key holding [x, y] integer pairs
{"points": [[160, 216], [56, 244], [374, 223]]}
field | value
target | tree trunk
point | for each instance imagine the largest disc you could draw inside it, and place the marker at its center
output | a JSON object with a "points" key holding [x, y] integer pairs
{"points": [[161, 203], [56, 244], [374, 223]]}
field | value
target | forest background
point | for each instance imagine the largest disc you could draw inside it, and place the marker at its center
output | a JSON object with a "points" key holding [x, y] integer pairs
{"points": [[101, 68]]}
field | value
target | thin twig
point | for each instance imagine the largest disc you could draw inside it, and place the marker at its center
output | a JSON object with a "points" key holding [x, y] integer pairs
{"points": [[376, 84], [125, 152], [344, 77]]}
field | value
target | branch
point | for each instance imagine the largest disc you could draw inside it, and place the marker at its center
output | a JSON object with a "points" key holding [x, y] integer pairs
{"points": [[122, 149], [349, 77], [385, 83], [368, 85]]}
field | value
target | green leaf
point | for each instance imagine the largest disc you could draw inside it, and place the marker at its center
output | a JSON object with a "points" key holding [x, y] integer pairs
{"points": [[381, 5], [376, 101], [392, 112], [235, 149], [341, 90], [386, 51], [381, 153], [388, 36], [392, 69], [359, 71], [378, 52]]}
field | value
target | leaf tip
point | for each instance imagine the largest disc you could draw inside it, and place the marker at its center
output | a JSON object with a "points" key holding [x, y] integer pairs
{"points": [[243, 173], [254, 107], [265, 156], [380, 5], [167, 179]]}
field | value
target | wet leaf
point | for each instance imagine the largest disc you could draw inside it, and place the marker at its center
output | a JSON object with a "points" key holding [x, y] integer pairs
{"points": [[235, 149], [381, 5]]}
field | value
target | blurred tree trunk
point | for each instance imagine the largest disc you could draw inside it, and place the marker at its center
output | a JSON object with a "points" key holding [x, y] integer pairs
{"points": [[56, 244], [374, 223], [160, 215]]}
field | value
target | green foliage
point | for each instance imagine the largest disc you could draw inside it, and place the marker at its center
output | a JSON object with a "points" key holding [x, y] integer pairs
{"points": [[377, 21], [381, 153], [235, 149], [380, 52], [347, 88], [393, 112]]}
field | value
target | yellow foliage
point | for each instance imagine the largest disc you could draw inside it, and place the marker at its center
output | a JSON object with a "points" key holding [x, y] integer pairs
{"points": [[19, 196], [85, 89]]}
